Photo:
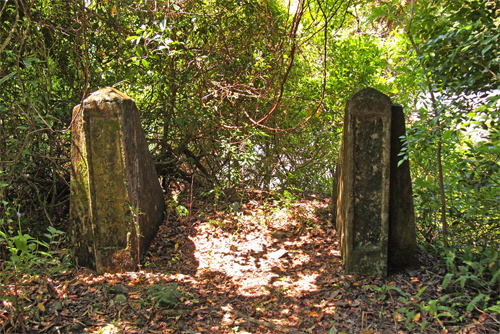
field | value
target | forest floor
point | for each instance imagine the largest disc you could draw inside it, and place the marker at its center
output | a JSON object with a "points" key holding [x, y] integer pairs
{"points": [[259, 265]]}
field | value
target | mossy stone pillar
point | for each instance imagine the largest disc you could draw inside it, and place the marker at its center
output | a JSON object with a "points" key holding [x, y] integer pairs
{"points": [[361, 189], [116, 199], [372, 193]]}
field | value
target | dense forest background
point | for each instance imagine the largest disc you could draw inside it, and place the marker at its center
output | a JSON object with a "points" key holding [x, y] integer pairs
{"points": [[238, 95]]}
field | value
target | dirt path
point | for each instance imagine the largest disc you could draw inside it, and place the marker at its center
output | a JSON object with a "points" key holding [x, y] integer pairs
{"points": [[259, 266], [268, 263]]}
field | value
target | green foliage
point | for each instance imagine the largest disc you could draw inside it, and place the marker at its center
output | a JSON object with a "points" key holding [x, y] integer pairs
{"points": [[475, 267], [223, 87], [470, 173], [25, 256], [460, 44], [287, 199], [494, 308], [411, 308], [174, 205], [385, 289], [165, 296], [449, 53], [181, 211], [200, 73], [472, 282]]}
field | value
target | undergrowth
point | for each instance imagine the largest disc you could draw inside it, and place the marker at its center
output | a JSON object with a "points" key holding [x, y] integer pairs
{"points": [[23, 258]]}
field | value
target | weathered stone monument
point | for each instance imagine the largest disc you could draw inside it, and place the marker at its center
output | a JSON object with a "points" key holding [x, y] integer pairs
{"points": [[372, 199], [116, 200]]}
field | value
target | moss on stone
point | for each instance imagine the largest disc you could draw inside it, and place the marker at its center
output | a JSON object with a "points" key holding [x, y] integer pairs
{"points": [[112, 172]]}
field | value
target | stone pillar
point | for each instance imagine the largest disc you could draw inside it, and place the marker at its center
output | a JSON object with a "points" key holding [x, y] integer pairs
{"points": [[362, 188], [402, 233], [116, 200], [372, 196]]}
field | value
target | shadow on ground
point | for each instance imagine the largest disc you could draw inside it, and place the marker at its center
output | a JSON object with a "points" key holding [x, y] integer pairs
{"points": [[262, 266]]}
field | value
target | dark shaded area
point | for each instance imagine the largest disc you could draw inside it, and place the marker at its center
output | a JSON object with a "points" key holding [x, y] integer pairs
{"points": [[402, 231]]}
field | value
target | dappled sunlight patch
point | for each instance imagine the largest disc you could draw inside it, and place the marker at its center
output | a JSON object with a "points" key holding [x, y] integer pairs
{"points": [[279, 273], [255, 287], [249, 255], [280, 215], [297, 286]]}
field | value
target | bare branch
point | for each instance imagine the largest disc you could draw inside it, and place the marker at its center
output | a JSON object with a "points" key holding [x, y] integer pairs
{"points": [[11, 33]]}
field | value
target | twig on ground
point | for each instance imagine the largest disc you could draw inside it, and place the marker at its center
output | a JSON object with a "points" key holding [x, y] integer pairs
{"points": [[488, 315]]}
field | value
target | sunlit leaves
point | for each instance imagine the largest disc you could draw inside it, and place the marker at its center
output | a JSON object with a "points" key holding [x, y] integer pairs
{"points": [[460, 44]]}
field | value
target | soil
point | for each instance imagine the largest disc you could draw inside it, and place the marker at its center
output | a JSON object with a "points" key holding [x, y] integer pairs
{"points": [[263, 264]]}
